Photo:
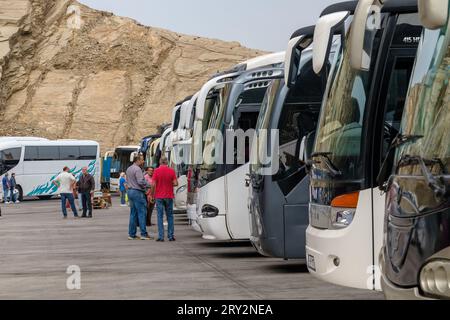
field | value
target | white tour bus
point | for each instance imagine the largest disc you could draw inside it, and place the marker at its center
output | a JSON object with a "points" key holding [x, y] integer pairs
{"points": [[360, 117], [37, 161], [180, 154], [222, 201], [122, 159]]}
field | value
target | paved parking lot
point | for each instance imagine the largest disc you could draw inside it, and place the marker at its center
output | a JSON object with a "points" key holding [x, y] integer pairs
{"points": [[37, 246]]}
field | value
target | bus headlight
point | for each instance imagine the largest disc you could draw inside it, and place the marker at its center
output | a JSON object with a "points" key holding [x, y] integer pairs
{"points": [[435, 278], [343, 209], [342, 217]]}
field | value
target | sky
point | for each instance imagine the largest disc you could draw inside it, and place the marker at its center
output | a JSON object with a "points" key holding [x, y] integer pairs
{"points": [[257, 24]]}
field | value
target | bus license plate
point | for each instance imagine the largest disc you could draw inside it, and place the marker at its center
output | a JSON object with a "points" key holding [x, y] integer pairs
{"points": [[311, 262]]}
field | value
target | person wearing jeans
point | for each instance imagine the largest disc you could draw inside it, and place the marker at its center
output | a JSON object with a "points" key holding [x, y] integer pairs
{"points": [[164, 180], [68, 197], [12, 188], [137, 199], [86, 187], [122, 189], [138, 213], [5, 184], [66, 182], [167, 206]]}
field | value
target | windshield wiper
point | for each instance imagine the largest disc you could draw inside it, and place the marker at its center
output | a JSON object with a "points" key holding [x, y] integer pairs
{"points": [[332, 169], [400, 140], [438, 186], [403, 139]]}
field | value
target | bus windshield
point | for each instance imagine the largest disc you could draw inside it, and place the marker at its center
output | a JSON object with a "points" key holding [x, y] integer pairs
{"points": [[9, 158], [200, 127], [298, 108], [246, 106], [427, 115], [215, 121], [121, 161], [260, 145], [341, 121]]}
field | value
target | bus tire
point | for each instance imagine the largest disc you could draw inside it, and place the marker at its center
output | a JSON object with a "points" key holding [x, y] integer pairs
{"points": [[19, 188]]}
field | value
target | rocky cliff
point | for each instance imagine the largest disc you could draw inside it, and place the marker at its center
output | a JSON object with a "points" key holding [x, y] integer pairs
{"points": [[68, 71]]}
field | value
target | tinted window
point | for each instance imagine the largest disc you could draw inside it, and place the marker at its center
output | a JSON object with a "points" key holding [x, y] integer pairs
{"points": [[9, 159], [48, 153], [88, 153], [69, 153], [31, 154], [309, 86], [176, 121], [11, 156], [397, 90], [296, 123], [253, 96]]}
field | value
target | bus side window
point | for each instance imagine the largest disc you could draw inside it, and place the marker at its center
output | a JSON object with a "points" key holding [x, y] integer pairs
{"points": [[395, 101]]}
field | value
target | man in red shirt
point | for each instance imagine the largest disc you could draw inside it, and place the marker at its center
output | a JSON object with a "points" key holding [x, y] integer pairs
{"points": [[164, 180]]}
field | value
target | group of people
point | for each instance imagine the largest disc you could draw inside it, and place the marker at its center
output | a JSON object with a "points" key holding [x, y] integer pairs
{"points": [[68, 186], [9, 189], [146, 189]]}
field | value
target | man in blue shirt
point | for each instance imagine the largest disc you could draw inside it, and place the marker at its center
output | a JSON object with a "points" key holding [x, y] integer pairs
{"points": [[6, 186]]}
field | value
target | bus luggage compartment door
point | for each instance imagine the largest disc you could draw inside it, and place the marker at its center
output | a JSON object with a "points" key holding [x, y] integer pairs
{"points": [[295, 224]]}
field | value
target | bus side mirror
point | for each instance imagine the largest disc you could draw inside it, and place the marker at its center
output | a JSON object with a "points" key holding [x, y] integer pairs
{"points": [[293, 58], [433, 13], [326, 28], [133, 155], [309, 149], [362, 27], [309, 146]]}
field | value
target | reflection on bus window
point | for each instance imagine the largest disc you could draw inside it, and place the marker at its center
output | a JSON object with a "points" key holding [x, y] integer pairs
{"points": [[341, 122], [428, 104], [9, 159]]}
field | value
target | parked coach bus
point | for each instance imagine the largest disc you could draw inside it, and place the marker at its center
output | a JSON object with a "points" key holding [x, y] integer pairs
{"points": [[360, 117], [415, 260], [37, 161], [122, 159]]}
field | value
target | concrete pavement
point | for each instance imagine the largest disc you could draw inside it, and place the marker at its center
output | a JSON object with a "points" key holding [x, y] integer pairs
{"points": [[37, 246]]}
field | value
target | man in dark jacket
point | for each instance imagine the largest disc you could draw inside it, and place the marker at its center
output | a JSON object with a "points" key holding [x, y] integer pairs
{"points": [[12, 188], [86, 187]]}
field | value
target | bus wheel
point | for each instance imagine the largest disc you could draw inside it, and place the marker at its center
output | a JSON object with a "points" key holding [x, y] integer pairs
{"points": [[19, 188]]}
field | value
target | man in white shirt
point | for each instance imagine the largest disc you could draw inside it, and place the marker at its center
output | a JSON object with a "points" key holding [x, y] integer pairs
{"points": [[65, 182]]}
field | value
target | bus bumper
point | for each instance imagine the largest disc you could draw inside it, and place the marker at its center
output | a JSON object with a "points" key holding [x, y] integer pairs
{"points": [[214, 228]]}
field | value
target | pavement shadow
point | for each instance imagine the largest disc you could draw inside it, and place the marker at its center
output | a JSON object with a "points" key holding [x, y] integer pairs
{"points": [[299, 267], [237, 255], [226, 244]]}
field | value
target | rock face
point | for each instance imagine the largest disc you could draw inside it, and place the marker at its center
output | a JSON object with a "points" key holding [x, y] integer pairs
{"points": [[68, 71]]}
